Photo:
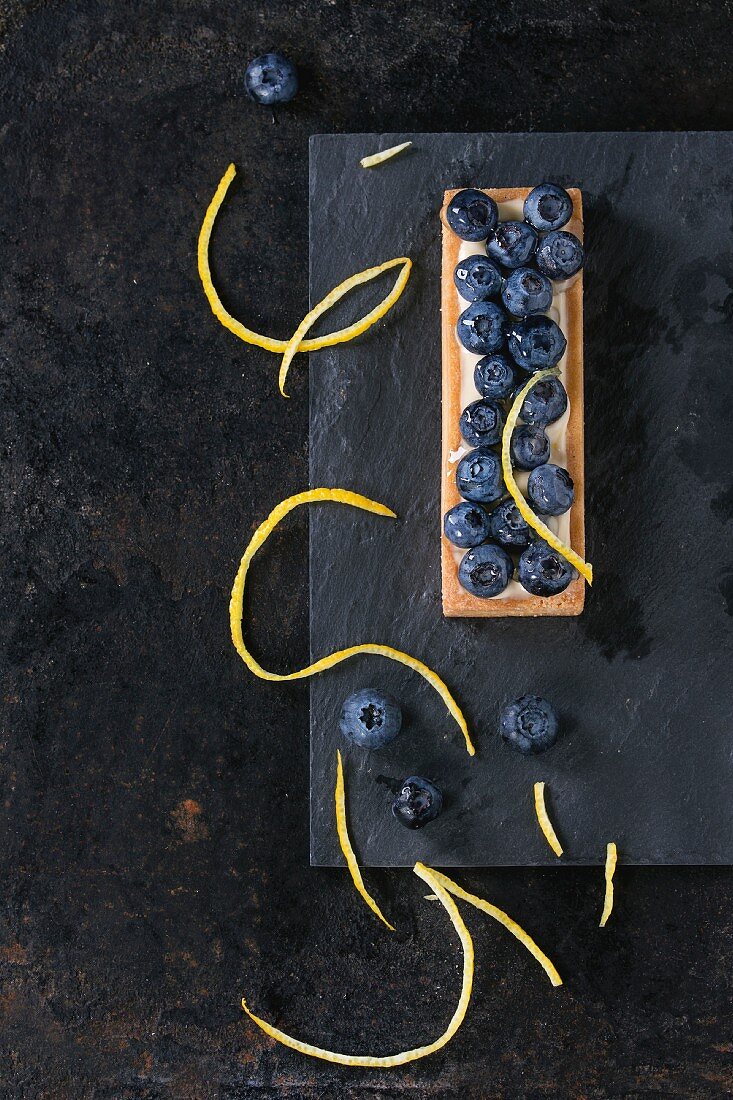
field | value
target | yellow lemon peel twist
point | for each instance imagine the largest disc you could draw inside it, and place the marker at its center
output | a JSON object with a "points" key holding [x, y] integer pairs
{"points": [[611, 859], [584, 568], [543, 819], [385, 1062], [345, 842], [386, 154], [356, 500]]}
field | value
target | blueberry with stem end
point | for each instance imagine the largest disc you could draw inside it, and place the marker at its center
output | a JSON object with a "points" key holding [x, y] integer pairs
{"points": [[545, 403], [466, 525], [527, 292], [477, 279], [550, 490], [370, 718], [418, 802], [508, 528], [471, 214], [529, 724], [486, 570], [560, 256], [479, 477], [482, 423], [542, 571], [495, 376], [548, 207], [271, 79], [536, 343], [512, 244], [529, 446], [481, 328]]}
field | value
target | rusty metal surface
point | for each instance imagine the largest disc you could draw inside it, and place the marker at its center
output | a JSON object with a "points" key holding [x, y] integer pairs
{"points": [[155, 797]]}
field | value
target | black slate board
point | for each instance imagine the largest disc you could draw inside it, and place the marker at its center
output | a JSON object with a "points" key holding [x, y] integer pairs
{"points": [[642, 678]]}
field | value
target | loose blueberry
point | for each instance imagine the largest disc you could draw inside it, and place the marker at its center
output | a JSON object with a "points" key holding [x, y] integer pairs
{"points": [[271, 79], [529, 724], [548, 207], [508, 528], [479, 477], [560, 255], [466, 525], [482, 328], [544, 572], [418, 802], [530, 447], [527, 291], [550, 490], [495, 377], [370, 718], [512, 244], [477, 278], [486, 570], [536, 343], [482, 423], [545, 403], [472, 215]]}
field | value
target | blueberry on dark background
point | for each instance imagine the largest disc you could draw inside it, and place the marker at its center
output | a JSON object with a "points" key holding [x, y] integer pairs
{"points": [[512, 244], [271, 79], [471, 214], [508, 528], [529, 724], [466, 525], [548, 207], [544, 572], [550, 490], [482, 422], [370, 718], [527, 291], [495, 376], [479, 477], [536, 343], [530, 447], [486, 570], [545, 403], [477, 278], [418, 802], [481, 328], [560, 255]]}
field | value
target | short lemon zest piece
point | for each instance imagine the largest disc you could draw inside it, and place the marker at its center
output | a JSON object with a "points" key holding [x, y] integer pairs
{"points": [[280, 347], [385, 1062], [386, 154], [333, 296], [583, 567], [504, 919], [544, 821], [611, 858], [356, 500], [345, 842]]}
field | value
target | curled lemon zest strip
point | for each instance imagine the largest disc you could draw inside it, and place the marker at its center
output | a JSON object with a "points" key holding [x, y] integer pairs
{"points": [[611, 859], [583, 567], [279, 347], [368, 1061], [504, 919], [544, 819], [386, 154], [356, 500], [295, 342], [345, 842]]}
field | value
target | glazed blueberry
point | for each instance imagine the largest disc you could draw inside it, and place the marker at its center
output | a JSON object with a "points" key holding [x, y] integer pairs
{"points": [[512, 244], [544, 572], [527, 291], [545, 403], [530, 447], [495, 376], [466, 525], [550, 490], [271, 79], [482, 423], [560, 255], [548, 207], [486, 570], [479, 477], [508, 528], [529, 724], [418, 802], [370, 718], [536, 343], [482, 328], [477, 278], [472, 215]]}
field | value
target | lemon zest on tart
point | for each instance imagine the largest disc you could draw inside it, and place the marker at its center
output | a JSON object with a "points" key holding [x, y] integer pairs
{"points": [[368, 1061], [356, 500], [583, 567], [386, 154], [345, 842], [504, 919], [268, 343], [611, 858], [333, 296], [544, 820]]}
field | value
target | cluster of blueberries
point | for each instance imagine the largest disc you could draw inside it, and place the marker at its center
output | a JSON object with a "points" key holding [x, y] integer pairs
{"points": [[515, 340], [370, 719]]}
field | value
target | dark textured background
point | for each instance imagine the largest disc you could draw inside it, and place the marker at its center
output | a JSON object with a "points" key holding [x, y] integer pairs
{"points": [[155, 842]]}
